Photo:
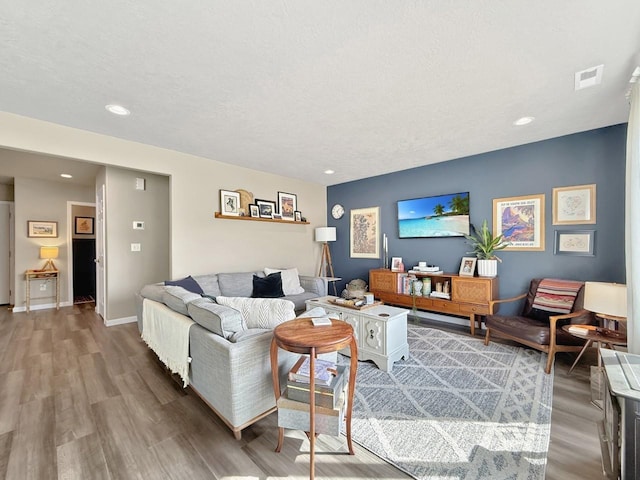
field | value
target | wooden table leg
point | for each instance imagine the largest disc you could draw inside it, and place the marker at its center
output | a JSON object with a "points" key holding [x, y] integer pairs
{"points": [[353, 368], [472, 323], [312, 412], [584, 349]]}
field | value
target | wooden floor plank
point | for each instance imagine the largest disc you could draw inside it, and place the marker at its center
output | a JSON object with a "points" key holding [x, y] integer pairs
{"points": [[6, 440], [33, 452], [38, 381], [98, 383], [82, 458], [74, 419], [10, 393]]}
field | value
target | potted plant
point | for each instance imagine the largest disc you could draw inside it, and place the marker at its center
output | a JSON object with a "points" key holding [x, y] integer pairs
{"points": [[484, 245]]}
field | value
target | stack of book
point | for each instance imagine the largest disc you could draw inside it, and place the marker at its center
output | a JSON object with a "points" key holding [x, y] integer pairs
{"points": [[330, 383]]}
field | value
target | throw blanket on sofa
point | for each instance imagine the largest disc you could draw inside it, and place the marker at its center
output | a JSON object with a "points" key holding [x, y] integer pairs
{"points": [[557, 296], [166, 332]]}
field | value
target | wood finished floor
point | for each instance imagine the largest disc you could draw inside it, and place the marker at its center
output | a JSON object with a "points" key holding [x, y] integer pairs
{"points": [[82, 401]]}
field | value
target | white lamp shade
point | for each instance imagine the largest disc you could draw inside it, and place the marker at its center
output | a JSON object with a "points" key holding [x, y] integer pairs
{"points": [[606, 298], [48, 252], [326, 234]]}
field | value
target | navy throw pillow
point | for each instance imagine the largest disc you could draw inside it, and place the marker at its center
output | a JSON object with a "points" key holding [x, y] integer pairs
{"points": [[268, 287], [188, 283]]}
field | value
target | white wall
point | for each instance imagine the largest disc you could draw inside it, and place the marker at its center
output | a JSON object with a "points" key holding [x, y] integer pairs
{"points": [[6, 193], [43, 200], [199, 242]]}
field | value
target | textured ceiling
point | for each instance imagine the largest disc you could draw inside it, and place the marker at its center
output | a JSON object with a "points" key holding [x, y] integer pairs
{"points": [[296, 87]]}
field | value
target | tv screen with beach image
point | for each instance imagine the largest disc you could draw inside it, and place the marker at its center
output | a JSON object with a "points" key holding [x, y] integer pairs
{"points": [[437, 216]]}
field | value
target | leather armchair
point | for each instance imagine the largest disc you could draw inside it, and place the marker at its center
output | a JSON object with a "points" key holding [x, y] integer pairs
{"points": [[544, 335]]}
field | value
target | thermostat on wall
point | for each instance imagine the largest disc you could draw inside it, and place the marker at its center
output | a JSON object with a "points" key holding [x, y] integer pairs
{"points": [[137, 225]]}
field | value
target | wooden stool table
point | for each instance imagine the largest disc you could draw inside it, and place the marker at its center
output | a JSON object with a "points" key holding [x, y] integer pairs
{"points": [[601, 336], [301, 336]]}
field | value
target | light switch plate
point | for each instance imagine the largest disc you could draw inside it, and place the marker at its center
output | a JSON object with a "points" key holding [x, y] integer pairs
{"points": [[135, 247], [138, 225]]}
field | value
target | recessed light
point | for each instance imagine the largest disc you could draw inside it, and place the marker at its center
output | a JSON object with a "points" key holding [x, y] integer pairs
{"points": [[524, 121], [329, 172], [66, 175], [117, 110]]}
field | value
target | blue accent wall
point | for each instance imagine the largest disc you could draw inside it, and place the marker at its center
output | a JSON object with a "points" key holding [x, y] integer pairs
{"points": [[596, 156]]}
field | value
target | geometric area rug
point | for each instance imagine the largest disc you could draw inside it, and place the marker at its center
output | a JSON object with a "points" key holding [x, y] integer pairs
{"points": [[457, 409]]}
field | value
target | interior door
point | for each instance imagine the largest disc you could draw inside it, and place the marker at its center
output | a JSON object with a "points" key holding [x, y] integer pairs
{"points": [[100, 253], [5, 253]]}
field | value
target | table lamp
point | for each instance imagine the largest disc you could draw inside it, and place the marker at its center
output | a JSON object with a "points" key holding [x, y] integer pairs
{"points": [[49, 253], [607, 300], [325, 235]]}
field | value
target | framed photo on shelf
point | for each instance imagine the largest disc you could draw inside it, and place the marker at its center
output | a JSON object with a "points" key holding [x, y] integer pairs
{"points": [[468, 266], [297, 215], [266, 208], [254, 210], [521, 221], [396, 264], [42, 229], [83, 225], [287, 205], [575, 242], [574, 205], [229, 203], [364, 229]]}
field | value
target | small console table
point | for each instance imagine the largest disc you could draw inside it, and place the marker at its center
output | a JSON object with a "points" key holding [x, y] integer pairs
{"points": [[470, 296], [42, 275], [301, 336]]}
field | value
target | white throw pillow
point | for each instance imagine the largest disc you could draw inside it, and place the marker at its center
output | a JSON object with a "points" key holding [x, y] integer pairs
{"points": [[290, 280], [261, 312]]}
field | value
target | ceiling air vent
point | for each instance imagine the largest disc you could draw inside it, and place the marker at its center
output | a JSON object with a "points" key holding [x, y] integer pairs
{"points": [[589, 77]]}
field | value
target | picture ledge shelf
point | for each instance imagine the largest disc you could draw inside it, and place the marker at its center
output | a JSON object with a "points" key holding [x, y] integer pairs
{"points": [[258, 219]]}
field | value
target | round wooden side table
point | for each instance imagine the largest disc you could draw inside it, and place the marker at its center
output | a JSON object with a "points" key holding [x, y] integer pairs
{"points": [[301, 336], [602, 336]]}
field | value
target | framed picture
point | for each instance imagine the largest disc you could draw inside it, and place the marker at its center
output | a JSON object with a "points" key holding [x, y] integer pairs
{"points": [[575, 242], [297, 215], [364, 229], [287, 205], [467, 266], [396, 264], [229, 203], [266, 208], [83, 225], [521, 221], [42, 229], [254, 210], [574, 205]]}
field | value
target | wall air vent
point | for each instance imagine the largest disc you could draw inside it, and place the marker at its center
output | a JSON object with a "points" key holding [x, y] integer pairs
{"points": [[589, 77]]}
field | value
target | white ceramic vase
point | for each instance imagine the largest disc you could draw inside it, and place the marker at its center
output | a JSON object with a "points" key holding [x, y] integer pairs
{"points": [[487, 268]]}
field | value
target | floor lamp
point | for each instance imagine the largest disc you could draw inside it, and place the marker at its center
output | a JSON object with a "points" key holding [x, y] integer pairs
{"points": [[326, 235]]}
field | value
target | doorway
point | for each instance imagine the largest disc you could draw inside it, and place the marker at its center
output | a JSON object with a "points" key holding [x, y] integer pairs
{"points": [[83, 252], [6, 249]]}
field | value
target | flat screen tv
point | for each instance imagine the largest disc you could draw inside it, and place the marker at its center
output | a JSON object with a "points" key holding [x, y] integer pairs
{"points": [[437, 216]]}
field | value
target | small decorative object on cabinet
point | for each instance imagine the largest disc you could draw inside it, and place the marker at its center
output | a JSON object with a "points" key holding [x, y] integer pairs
{"points": [[484, 247], [469, 296]]}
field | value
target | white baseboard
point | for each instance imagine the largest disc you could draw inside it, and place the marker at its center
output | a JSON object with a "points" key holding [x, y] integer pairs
{"points": [[42, 306], [120, 321]]}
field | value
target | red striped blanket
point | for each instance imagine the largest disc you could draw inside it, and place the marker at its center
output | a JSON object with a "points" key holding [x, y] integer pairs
{"points": [[557, 296]]}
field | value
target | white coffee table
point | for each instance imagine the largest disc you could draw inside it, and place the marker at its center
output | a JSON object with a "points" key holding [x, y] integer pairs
{"points": [[381, 331]]}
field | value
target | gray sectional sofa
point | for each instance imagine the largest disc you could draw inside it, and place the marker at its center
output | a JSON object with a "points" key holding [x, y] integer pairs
{"points": [[230, 365]]}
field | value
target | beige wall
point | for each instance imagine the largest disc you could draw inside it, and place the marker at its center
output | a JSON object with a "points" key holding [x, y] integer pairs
{"points": [[199, 242], [6, 193], [43, 200]]}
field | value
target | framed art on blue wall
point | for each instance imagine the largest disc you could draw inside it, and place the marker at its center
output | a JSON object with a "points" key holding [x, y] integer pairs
{"points": [[521, 221], [365, 238], [575, 242]]}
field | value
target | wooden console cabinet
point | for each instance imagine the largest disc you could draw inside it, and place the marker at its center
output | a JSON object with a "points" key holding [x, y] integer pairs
{"points": [[470, 296]]}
